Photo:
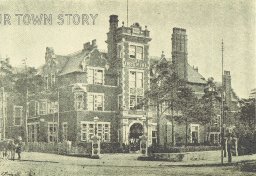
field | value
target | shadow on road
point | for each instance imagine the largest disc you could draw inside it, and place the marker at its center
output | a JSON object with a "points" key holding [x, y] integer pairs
{"points": [[36, 161]]}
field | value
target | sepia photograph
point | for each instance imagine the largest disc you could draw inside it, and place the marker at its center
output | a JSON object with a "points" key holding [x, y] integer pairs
{"points": [[127, 87]]}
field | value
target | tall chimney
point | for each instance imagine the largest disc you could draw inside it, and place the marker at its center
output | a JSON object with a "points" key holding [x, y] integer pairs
{"points": [[111, 37], [179, 52]]}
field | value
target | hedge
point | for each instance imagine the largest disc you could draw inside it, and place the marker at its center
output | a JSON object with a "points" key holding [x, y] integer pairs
{"points": [[183, 149]]}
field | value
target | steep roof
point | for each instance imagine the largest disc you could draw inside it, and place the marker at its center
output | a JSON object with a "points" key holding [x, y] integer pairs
{"points": [[194, 76], [76, 61]]}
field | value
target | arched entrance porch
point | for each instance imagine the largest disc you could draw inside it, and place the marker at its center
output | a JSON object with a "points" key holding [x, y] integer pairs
{"points": [[136, 130]]}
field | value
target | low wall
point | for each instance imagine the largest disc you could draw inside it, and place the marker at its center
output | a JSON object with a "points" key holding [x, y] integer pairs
{"points": [[188, 156], [66, 148]]}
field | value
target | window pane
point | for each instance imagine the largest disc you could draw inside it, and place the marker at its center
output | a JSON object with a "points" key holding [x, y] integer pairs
{"points": [[90, 76], [132, 52], [132, 79], [98, 102], [90, 102], [139, 98], [139, 52], [132, 101], [139, 80], [98, 77]]}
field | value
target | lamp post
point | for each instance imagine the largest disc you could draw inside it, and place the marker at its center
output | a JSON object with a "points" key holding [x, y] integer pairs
{"points": [[222, 105]]}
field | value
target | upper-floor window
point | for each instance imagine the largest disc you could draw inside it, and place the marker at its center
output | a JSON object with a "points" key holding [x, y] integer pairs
{"points": [[53, 107], [18, 115], [33, 108], [136, 89], [95, 76], [42, 107], [136, 52], [136, 79], [95, 102], [50, 80], [79, 101]]}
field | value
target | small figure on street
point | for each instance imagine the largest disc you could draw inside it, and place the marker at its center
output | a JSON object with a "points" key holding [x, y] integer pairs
{"points": [[19, 147], [229, 146], [12, 147]]}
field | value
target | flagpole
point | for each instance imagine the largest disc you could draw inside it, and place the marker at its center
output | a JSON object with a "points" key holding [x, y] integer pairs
{"points": [[127, 10], [3, 113], [222, 106]]}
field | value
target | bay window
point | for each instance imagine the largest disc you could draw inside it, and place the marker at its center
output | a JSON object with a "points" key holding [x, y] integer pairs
{"points": [[88, 131]]}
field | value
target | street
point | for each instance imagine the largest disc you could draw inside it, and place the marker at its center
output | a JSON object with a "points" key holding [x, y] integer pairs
{"points": [[109, 164]]}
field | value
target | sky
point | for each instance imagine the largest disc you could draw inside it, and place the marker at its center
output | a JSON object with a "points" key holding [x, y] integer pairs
{"points": [[207, 22]]}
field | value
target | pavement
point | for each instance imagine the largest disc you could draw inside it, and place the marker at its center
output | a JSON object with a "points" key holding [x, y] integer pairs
{"points": [[33, 163]]}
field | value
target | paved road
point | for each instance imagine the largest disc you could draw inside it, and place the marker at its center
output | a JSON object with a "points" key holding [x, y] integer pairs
{"points": [[109, 164]]}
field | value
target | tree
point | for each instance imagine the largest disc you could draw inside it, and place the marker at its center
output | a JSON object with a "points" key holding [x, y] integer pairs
{"points": [[166, 87], [6, 74], [187, 104], [27, 80], [245, 127]]}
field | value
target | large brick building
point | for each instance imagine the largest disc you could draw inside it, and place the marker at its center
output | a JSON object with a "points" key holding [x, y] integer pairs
{"points": [[108, 85]]}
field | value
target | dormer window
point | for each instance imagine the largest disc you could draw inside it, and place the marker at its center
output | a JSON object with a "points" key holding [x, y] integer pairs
{"points": [[136, 52]]}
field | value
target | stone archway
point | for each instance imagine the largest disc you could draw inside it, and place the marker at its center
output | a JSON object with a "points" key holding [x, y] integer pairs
{"points": [[136, 130]]}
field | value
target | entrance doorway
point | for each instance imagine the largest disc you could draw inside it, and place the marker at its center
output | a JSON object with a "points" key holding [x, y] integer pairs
{"points": [[136, 130]]}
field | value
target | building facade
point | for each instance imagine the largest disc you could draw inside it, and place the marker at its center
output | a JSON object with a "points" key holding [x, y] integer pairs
{"points": [[109, 85]]}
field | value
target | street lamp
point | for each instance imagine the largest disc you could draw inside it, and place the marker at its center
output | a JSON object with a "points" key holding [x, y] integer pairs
{"points": [[95, 119], [95, 140]]}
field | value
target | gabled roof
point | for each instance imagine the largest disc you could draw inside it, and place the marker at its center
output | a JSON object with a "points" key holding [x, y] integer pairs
{"points": [[194, 76], [76, 61]]}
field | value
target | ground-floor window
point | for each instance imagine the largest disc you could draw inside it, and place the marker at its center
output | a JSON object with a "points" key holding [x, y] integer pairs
{"points": [[154, 138], [102, 129], [214, 137], [33, 132], [52, 131], [194, 133]]}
